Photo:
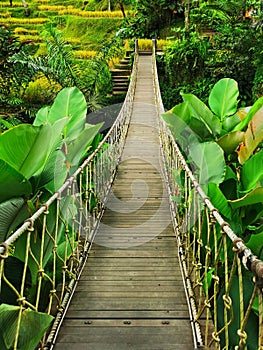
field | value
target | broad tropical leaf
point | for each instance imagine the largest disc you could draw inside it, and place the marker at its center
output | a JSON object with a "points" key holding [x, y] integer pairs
{"points": [[42, 116], [26, 148], [253, 136], [70, 103], [230, 184], [223, 98], [12, 213], [50, 169], [208, 157], [231, 141], [200, 111], [185, 127], [12, 182], [230, 122], [219, 200], [33, 326], [79, 145], [252, 172], [253, 110], [253, 197], [255, 244]]}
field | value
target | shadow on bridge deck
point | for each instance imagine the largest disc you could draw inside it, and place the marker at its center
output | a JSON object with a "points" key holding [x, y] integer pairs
{"points": [[131, 294]]}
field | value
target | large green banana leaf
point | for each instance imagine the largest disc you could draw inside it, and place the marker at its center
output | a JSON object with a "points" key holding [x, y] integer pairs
{"points": [[26, 148], [69, 103], [32, 328]]}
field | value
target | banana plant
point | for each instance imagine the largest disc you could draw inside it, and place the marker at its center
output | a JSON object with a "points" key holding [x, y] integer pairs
{"points": [[202, 132], [223, 146], [39, 157], [35, 160]]}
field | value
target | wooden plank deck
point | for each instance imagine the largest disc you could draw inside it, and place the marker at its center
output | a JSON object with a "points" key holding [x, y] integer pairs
{"points": [[131, 295]]}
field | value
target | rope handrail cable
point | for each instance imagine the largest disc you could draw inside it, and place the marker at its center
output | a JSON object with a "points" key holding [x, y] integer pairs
{"points": [[67, 183], [249, 260]]}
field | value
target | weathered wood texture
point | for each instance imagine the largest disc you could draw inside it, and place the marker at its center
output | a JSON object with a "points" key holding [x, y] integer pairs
{"points": [[131, 295]]}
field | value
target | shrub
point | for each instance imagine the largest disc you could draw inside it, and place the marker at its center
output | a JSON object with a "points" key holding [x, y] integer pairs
{"points": [[41, 92]]}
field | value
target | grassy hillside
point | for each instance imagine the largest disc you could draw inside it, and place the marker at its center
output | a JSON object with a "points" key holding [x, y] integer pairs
{"points": [[85, 30], [91, 33]]}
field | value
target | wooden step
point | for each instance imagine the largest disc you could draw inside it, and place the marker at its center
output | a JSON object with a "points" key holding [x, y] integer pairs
{"points": [[119, 92], [121, 79], [120, 72], [145, 53], [122, 66], [120, 86]]}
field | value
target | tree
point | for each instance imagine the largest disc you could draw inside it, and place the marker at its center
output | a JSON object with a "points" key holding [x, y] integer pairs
{"points": [[27, 11], [187, 7], [152, 16]]}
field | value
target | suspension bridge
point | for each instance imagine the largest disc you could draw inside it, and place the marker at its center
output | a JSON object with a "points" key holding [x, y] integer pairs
{"points": [[133, 271]]}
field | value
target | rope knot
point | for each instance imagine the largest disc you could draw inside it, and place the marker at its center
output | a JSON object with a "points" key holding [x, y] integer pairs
{"points": [[208, 249], [216, 278], [31, 226], [207, 304], [227, 301], [40, 272], [46, 211], [215, 337], [257, 270], [236, 241], [223, 225], [4, 253], [21, 301], [200, 242], [243, 337]]}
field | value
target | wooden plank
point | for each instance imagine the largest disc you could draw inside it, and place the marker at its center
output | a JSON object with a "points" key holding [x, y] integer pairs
{"points": [[158, 244], [131, 253], [131, 263], [127, 323], [134, 287], [117, 346], [131, 314], [133, 335]]}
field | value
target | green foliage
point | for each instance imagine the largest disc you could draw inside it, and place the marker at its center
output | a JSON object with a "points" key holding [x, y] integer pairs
{"points": [[33, 326], [35, 160], [29, 152], [59, 65], [42, 91], [223, 98], [34, 151], [242, 148], [251, 329], [219, 43], [151, 17], [12, 82], [228, 163], [208, 157], [213, 14], [183, 67], [92, 33], [234, 52]]}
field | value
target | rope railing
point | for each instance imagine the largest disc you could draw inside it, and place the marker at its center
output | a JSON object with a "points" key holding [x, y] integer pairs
{"points": [[218, 269], [41, 262]]}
